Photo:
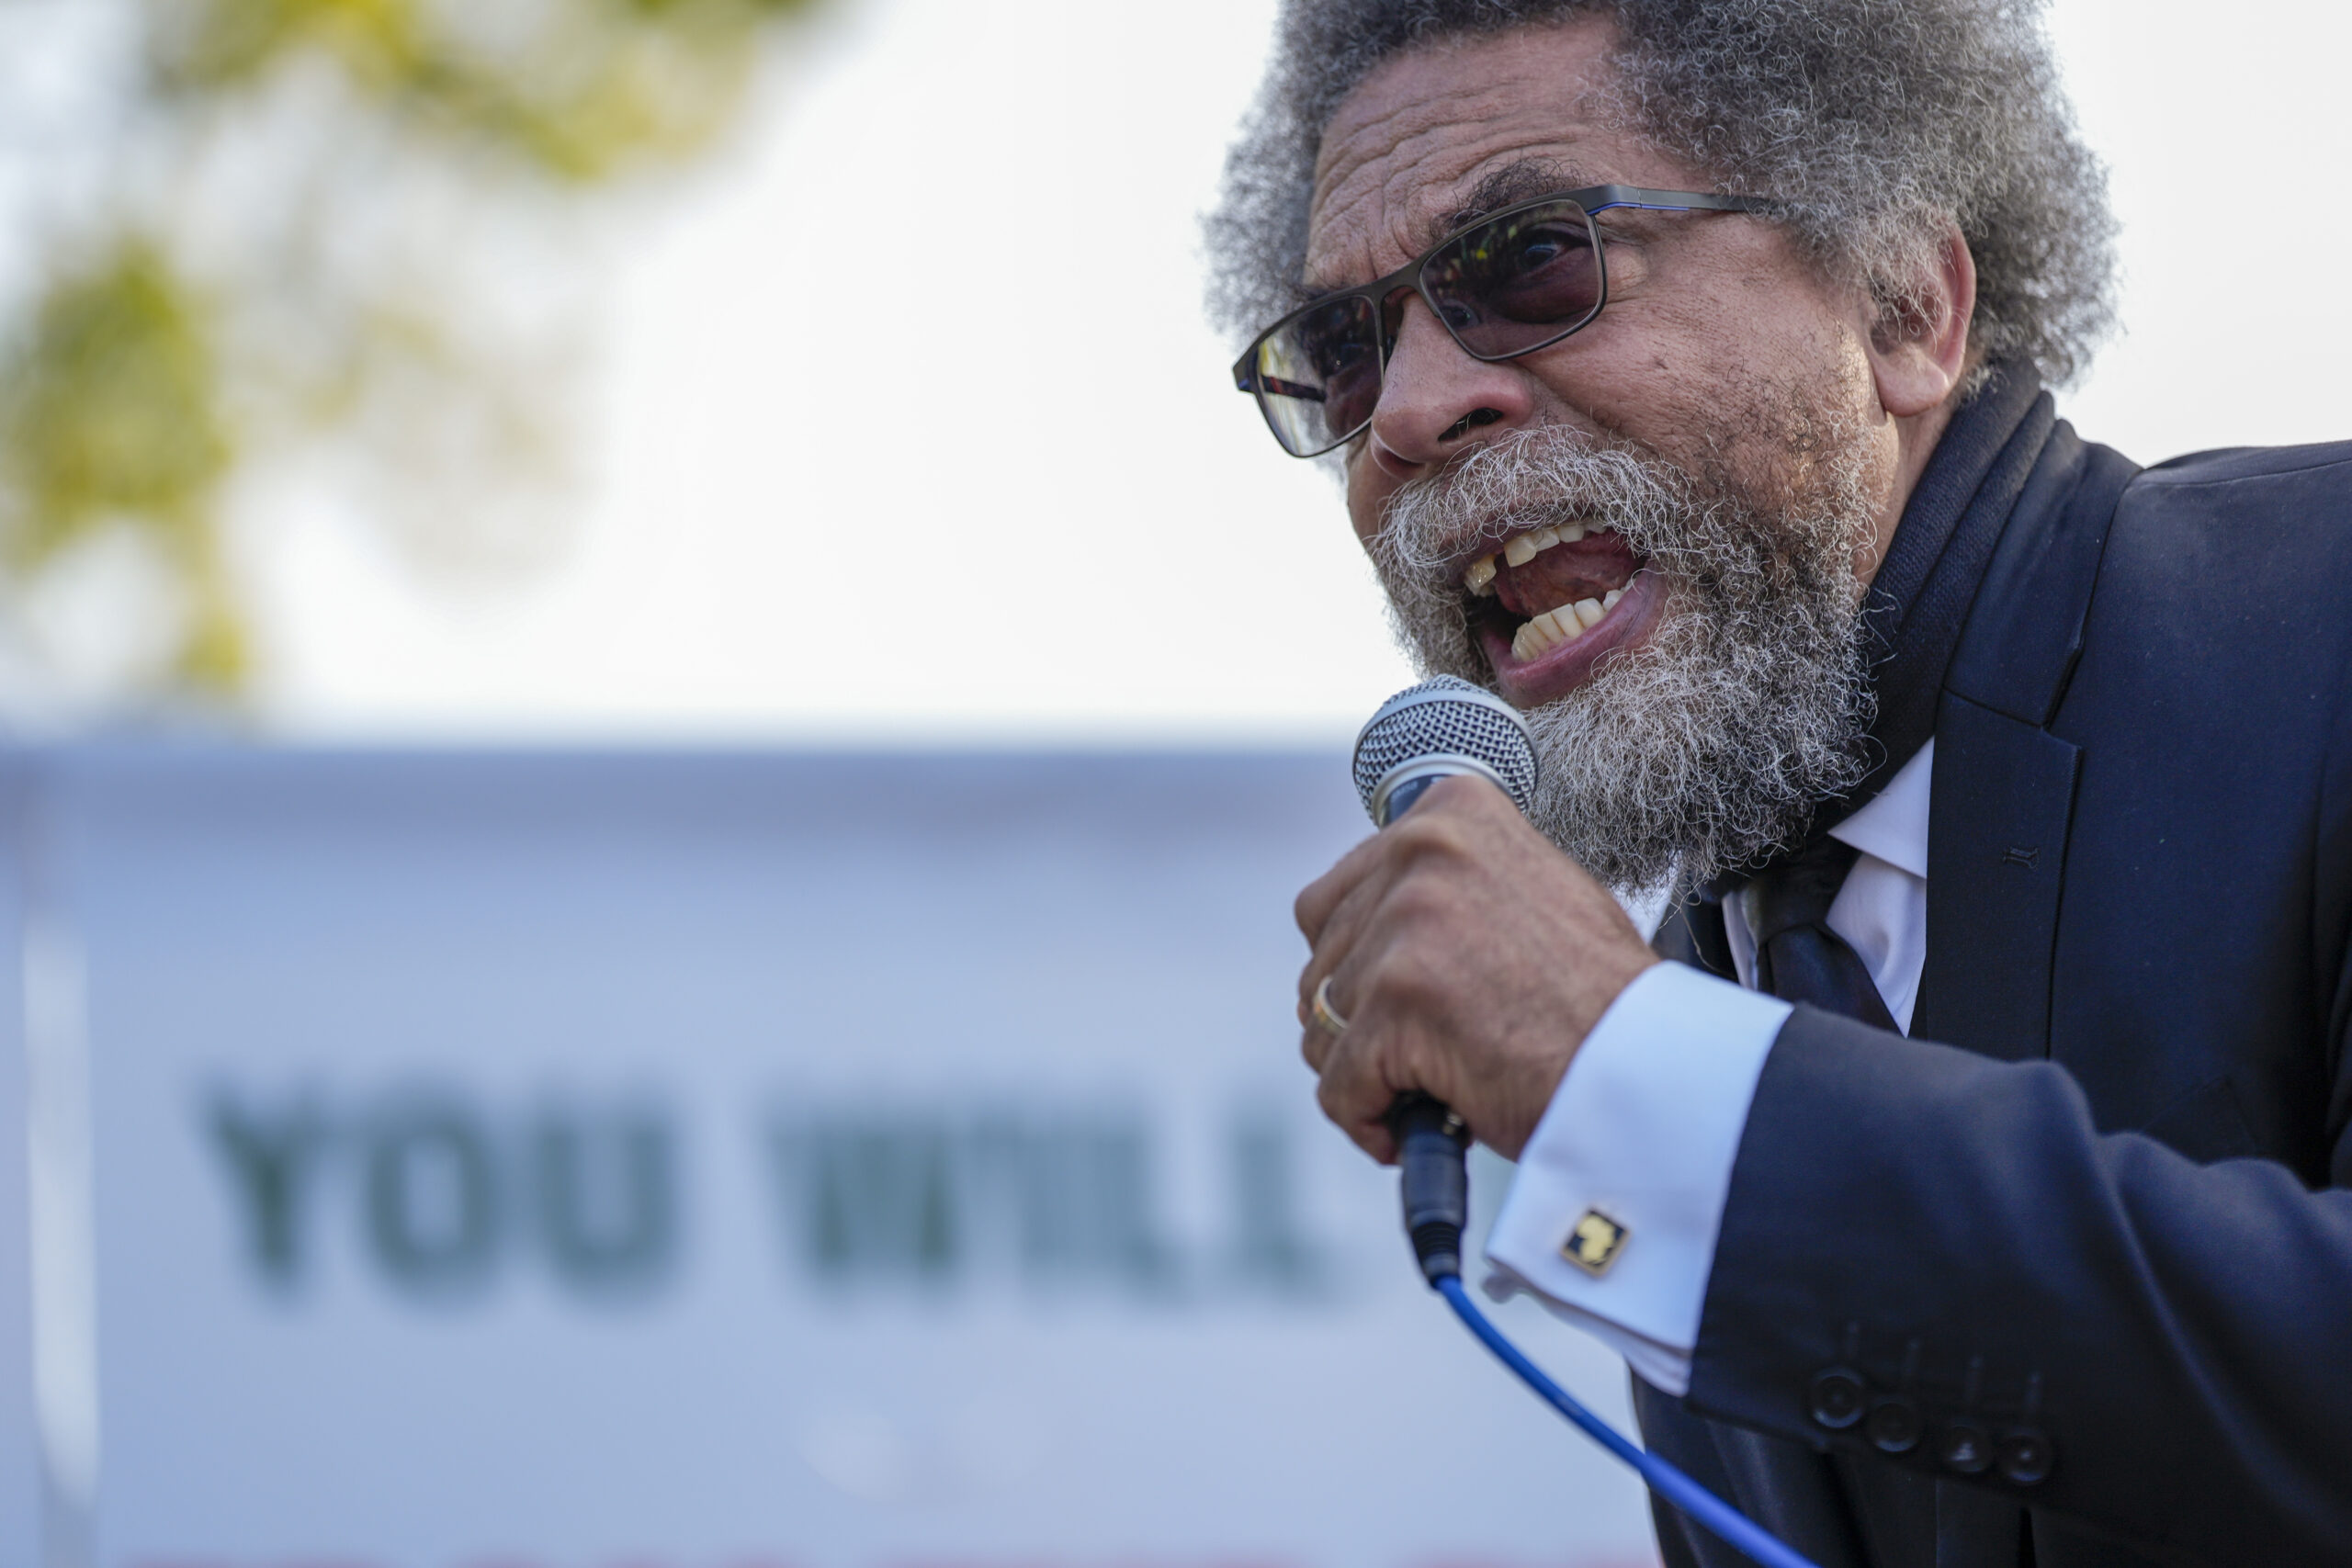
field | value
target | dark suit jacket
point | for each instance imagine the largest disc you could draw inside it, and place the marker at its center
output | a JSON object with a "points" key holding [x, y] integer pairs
{"points": [[2066, 1278]]}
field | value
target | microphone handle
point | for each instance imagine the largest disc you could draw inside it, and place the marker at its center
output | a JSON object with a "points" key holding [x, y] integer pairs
{"points": [[1433, 1143], [1432, 1147]]}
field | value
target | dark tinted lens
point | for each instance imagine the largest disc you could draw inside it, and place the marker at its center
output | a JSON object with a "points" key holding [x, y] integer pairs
{"points": [[1318, 374], [1509, 284]]}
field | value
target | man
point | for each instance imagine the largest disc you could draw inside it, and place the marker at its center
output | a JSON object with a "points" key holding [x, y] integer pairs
{"points": [[1683, 361]]}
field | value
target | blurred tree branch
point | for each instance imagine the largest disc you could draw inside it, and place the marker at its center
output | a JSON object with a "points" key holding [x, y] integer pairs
{"points": [[331, 223]]}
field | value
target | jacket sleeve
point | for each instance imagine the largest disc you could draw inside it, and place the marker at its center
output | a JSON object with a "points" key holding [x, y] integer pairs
{"points": [[1934, 1257]]}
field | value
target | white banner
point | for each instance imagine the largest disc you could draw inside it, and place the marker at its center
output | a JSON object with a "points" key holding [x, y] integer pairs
{"points": [[641, 1161]]}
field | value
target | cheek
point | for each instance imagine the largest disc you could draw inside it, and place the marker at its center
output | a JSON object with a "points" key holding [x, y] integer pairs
{"points": [[1751, 394], [1802, 342], [1743, 320]]}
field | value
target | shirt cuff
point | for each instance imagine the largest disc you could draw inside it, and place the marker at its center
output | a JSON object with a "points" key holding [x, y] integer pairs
{"points": [[1644, 1131]]}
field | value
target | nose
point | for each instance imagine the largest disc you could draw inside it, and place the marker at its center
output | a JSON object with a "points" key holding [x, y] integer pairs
{"points": [[1435, 398]]}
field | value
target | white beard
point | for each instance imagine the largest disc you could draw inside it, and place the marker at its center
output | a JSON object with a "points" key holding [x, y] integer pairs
{"points": [[1707, 746]]}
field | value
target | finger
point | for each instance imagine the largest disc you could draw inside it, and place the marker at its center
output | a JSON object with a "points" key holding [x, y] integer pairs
{"points": [[1360, 1077], [1317, 1037], [1320, 897], [1367, 1134], [1338, 933]]}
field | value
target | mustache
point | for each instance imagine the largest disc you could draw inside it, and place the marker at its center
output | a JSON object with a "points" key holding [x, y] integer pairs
{"points": [[1541, 474]]}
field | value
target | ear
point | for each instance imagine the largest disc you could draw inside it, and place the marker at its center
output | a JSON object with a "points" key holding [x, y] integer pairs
{"points": [[1919, 349]]}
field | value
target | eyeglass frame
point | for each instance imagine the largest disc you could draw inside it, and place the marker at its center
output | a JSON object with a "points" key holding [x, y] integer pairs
{"points": [[1591, 200]]}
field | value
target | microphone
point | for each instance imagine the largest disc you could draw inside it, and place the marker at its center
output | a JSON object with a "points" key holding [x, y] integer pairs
{"points": [[1437, 729]]}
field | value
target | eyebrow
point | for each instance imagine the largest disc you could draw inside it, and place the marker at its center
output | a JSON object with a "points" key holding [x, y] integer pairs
{"points": [[1522, 179]]}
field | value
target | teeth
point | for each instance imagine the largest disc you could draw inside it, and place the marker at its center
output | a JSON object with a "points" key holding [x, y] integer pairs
{"points": [[1549, 630], [1528, 546], [1480, 578], [1545, 632]]}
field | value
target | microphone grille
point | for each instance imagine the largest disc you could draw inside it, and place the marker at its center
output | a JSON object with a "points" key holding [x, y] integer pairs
{"points": [[1447, 715]]}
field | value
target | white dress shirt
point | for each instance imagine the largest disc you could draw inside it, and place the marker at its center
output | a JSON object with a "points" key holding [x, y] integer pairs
{"points": [[1646, 1124]]}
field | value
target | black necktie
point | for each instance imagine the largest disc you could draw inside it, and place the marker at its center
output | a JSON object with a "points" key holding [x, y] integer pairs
{"points": [[1798, 957]]}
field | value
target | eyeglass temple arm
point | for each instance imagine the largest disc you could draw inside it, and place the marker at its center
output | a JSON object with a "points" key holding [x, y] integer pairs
{"points": [[1602, 197], [1248, 381]]}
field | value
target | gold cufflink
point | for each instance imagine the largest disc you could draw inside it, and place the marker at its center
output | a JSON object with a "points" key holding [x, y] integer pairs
{"points": [[1594, 1244]]}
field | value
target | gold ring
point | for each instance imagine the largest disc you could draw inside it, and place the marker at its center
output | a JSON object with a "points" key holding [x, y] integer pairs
{"points": [[1327, 1017]]}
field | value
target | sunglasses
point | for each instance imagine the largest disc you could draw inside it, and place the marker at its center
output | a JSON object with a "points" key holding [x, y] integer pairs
{"points": [[1508, 285]]}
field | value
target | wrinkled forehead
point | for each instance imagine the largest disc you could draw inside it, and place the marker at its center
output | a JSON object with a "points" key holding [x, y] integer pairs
{"points": [[1445, 131]]}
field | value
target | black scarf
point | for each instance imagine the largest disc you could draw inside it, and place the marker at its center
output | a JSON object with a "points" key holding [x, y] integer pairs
{"points": [[1919, 600]]}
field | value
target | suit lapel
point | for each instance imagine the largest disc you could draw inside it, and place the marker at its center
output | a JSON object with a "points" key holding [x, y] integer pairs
{"points": [[2001, 801], [2003, 795]]}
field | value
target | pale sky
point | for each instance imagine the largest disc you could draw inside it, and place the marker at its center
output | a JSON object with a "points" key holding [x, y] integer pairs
{"points": [[906, 425]]}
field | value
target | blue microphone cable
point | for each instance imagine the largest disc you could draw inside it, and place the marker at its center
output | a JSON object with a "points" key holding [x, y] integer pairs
{"points": [[1431, 1145]]}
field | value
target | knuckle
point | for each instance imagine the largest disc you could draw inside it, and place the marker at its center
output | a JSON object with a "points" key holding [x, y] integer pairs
{"points": [[1410, 981], [1419, 908], [1417, 898], [1425, 833]]}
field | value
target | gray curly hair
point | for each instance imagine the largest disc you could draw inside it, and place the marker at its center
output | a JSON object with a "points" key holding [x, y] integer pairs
{"points": [[1878, 121]]}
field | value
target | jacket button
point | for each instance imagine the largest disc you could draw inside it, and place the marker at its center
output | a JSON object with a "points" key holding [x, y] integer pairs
{"points": [[2025, 1457], [1838, 1398], [1893, 1427], [1966, 1447]]}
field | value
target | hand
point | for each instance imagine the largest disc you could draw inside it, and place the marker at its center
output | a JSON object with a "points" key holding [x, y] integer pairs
{"points": [[1470, 958]]}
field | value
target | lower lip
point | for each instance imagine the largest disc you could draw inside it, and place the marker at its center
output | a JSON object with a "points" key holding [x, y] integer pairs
{"points": [[1553, 675]]}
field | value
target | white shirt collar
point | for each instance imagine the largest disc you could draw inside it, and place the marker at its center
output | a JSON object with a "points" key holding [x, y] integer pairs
{"points": [[1893, 824]]}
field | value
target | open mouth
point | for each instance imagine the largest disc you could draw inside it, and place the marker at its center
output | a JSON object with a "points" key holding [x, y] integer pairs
{"points": [[1551, 602]]}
